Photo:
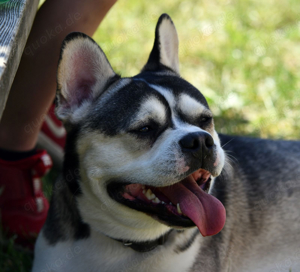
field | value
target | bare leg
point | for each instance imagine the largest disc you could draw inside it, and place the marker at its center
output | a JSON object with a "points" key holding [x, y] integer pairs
{"points": [[33, 89]]}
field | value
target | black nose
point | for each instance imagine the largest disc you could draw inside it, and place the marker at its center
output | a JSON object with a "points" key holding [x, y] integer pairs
{"points": [[197, 142]]}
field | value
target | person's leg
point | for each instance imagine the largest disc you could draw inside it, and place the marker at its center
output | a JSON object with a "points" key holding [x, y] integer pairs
{"points": [[22, 203], [33, 89]]}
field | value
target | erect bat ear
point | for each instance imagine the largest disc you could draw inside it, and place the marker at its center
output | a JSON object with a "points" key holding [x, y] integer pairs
{"points": [[83, 74], [165, 49]]}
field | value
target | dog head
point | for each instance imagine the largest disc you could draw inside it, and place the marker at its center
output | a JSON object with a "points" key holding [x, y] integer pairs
{"points": [[145, 147]]}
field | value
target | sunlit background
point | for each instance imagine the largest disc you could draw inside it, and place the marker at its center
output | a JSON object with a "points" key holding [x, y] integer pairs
{"points": [[244, 56]]}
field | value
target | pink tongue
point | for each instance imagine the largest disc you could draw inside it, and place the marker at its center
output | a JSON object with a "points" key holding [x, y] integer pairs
{"points": [[207, 212]]}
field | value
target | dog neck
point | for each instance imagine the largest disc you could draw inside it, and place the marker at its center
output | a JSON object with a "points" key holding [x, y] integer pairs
{"points": [[147, 245]]}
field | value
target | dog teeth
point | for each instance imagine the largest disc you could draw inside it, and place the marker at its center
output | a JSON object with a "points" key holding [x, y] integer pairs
{"points": [[178, 209], [150, 195], [156, 200]]}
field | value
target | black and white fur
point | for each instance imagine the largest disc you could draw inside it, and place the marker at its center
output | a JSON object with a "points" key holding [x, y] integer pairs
{"points": [[259, 187]]}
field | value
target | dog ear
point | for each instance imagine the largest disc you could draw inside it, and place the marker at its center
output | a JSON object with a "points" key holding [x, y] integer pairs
{"points": [[165, 49], [83, 74]]}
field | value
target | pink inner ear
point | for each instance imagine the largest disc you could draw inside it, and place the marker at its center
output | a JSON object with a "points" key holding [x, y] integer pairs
{"points": [[82, 76], [82, 91]]}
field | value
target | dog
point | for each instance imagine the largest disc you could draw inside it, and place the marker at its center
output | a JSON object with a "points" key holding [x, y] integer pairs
{"points": [[147, 182]]}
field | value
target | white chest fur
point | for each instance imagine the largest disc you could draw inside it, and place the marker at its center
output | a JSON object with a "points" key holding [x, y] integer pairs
{"points": [[99, 253]]}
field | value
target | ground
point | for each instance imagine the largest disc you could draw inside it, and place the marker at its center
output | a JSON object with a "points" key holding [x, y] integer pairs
{"points": [[243, 55]]}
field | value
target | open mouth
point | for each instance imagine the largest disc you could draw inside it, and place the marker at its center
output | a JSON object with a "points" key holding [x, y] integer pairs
{"points": [[183, 204]]}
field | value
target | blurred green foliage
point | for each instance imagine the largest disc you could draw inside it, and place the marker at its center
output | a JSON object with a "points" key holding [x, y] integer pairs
{"points": [[14, 259], [244, 56]]}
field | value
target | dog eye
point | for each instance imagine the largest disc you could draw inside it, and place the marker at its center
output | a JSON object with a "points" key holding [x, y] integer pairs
{"points": [[205, 119], [145, 129]]}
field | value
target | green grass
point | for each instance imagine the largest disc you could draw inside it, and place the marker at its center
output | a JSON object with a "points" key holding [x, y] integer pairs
{"points": [[244, 56], [13, 259]]}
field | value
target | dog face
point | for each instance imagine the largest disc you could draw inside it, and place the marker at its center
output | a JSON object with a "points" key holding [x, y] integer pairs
{"points": [[146, 146]]}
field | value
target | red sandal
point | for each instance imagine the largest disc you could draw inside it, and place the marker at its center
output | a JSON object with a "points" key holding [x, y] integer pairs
{"points": [[52, 136], [23, 206]]}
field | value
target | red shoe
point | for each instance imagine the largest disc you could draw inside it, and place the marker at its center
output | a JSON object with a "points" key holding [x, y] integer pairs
{"points": [[52, 136], [23, 206]]}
